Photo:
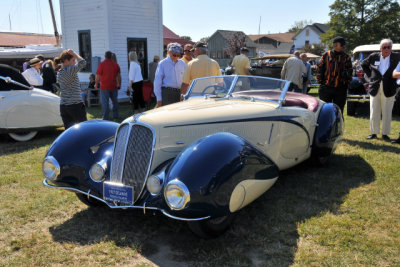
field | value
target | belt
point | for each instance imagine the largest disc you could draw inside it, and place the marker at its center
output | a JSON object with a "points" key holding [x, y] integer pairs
{"points": [[171, 88]]}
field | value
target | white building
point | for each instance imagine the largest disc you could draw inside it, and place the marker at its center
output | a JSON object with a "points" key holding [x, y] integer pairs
{"points": [[92, 27], [311, 34]]}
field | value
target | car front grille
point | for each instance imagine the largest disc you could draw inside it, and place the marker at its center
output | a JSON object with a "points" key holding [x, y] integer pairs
{"points": [[133, 151]]}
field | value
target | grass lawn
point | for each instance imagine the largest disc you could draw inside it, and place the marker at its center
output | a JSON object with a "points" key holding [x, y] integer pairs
{"points": [[344, 214]]}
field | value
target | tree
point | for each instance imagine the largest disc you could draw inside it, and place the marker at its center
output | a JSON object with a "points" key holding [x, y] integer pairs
{"points": [[234, 43], [363, 21], [204, 39], [299, 25], [188, 38]]}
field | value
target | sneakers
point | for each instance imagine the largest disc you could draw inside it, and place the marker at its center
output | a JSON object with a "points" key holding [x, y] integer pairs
{"points": [[372, 136], [396, 141], [386, 138]]}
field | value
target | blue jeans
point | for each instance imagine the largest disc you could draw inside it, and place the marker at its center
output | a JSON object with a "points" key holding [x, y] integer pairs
{"points": [[104, 96]]}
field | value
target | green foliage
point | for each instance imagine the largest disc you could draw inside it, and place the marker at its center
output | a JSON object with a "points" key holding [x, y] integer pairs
{"points": [[316, 49], [363, 21], [188, 38], [204, 39], [299, 25]]}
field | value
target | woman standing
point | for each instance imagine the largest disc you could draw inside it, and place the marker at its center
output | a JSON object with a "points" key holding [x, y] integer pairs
{"points": [[135, 82], [72, 108]]}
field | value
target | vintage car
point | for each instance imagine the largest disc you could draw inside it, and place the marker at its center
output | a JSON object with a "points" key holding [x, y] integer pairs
{"points": [[25, 110], [200, 160], [357, 96]]}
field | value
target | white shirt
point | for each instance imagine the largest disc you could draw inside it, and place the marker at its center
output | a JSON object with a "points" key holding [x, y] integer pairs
{"points": [[168, 74], [384, 64], [397, 69], [135, 73], [33, 77]]}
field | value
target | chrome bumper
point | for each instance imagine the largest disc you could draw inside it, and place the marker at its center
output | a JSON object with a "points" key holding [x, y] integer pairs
{"points": [[358, 98], [112, 206]]}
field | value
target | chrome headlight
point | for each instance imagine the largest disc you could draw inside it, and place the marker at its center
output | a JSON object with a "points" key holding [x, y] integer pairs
{"points": [[176, 194], [50, 168], [98, 170], [154, 184]]}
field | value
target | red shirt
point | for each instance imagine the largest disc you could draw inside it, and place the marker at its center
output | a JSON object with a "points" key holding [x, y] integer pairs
{"points": [[108, 71]]}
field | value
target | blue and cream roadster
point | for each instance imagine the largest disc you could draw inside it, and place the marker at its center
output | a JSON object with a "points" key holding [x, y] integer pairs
{"points": [[200, 160]]}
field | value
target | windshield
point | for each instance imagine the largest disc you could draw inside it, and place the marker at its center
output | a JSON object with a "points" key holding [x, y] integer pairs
{"points": [[238, 86]]}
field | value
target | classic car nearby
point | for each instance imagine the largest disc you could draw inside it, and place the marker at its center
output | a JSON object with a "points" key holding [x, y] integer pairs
{"points": [[25, 110], [200, 160]]}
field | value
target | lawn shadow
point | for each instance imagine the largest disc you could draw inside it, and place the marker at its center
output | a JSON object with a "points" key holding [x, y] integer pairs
{"points": [[263, 234], [373, 145]]}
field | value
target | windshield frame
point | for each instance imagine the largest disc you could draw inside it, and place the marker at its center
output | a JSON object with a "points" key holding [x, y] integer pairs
{"points": [[232, 86]]}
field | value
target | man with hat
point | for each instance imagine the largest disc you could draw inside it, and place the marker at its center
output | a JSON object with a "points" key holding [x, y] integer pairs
{"points": [[168, 78], [334, 74], [241, 63], [201, 66], [32, 75]]}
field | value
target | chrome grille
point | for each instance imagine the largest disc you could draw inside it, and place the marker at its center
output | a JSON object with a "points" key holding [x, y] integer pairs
{"points": [[133, 152]]}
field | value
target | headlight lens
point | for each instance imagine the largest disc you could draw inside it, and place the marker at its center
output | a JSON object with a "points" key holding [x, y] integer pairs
{"points": [[154, 184], [97, 171], [176, 194], [50, 168]]}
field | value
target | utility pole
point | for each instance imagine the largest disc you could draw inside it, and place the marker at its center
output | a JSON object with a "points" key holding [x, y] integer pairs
{"points": [[54, 24]]}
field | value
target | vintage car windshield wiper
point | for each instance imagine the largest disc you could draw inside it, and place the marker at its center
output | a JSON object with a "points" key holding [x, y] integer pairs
{"points": [[95, 148]]}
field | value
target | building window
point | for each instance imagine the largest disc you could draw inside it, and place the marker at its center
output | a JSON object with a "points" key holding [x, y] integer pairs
{"points": [[85, 49], [307, 42], [307, 32]]}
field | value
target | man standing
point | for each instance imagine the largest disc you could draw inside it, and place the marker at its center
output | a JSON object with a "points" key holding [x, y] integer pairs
{"points": [[168, 78], [334, 74], [32, 75], [379, 67], [306, 77], [241, 63], [188, 53], [153, 68], [293, 70], [202, 66], [109, 75]]}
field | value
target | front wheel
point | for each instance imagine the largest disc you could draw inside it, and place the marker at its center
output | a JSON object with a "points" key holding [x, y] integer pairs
{"points": [[211, 228], [22, 136]]}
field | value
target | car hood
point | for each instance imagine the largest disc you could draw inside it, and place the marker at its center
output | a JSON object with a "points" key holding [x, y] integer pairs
{"points": [[200, 110]]}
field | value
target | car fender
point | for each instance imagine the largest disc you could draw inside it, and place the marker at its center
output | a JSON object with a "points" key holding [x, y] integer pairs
{"points": [[223, 173], [329, 130], [78, 148]]}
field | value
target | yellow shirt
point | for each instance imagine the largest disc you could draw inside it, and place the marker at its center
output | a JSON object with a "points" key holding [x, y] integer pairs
{"points": [[202, 66], [185, 60], [241, 63]]}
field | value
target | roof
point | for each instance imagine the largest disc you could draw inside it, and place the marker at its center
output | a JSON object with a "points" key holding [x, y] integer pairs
{"points": [[319, 28], [373, 48], [286, 37], [230, 34], [171, 37], [21, 39]]}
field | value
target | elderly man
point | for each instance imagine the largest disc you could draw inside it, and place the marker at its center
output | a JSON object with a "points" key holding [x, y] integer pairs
{"points": [[293, 70], [379, 67], [306, 77], [241, 63], [168, 78], [334, 74], [188, 53], [32, 75], [202, 66]]}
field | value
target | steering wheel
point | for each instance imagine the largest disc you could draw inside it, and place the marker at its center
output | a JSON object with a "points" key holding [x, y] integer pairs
{"points": [[217, 89]]}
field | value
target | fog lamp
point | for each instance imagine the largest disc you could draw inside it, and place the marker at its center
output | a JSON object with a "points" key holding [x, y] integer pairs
{"points": [[176, 194], [50, 168], [97, 171], [154, 184]]}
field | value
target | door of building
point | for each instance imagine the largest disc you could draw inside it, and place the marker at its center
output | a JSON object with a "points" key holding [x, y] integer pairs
{"points": [[139, 45]]}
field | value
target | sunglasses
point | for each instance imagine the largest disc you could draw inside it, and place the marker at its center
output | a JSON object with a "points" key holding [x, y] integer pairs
{"points": [[188, 50], [386, 47], [176, 55]]}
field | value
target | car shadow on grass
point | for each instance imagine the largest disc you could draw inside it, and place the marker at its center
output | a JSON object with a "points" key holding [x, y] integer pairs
{"points": [[378, 145], [265, 233]]}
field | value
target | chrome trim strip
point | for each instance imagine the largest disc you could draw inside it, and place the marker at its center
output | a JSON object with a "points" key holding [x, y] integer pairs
{"points": [[124, 207]]}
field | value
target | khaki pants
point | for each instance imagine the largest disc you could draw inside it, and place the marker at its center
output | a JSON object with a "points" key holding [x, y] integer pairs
{"points": [[380, 105]]}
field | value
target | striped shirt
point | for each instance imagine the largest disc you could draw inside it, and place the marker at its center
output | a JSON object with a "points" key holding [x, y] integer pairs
{"points": [[68, 80], [335, 69]]}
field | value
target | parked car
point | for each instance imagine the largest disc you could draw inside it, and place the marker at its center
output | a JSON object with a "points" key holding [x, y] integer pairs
{"points": [[357, 96], [200, 160], [25, 110]]}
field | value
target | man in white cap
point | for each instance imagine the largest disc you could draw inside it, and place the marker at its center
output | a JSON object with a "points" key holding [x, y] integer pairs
{"points": [[168, 78], [32, 75]]}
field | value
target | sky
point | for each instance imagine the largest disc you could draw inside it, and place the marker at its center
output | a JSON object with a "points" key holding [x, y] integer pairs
{"points": [[185, 18]]}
